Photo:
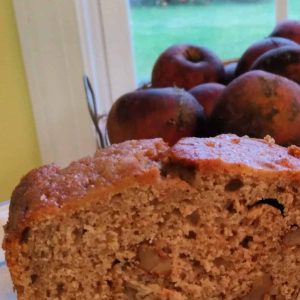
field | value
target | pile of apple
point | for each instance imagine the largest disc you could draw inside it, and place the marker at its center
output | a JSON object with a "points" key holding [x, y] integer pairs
{"points": [[193, 93]]}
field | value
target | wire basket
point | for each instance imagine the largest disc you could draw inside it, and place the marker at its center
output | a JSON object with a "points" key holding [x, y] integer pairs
{"points": [[99, 120]]}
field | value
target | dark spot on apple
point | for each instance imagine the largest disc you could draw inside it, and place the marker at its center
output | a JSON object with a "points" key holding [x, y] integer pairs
{"points": [[294, 111], [268, 87], [272, 113], [180, 122]]}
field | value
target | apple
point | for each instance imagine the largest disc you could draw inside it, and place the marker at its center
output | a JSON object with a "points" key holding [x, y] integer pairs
{"points": [[289, 29], [230, 69], [169, 113], [284, 61], [185, 66], [257, 49], [207, 94], [257, 104]]}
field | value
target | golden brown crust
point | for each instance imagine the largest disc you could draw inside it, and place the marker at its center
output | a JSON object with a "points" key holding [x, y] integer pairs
{"points": [[51, 190]]}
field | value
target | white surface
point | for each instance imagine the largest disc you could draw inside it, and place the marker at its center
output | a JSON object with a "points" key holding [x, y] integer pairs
{"points": [[3, 218], [6, 291]]}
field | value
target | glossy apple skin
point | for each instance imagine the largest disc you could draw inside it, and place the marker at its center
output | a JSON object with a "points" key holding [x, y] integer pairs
{"points": [[257, 104], [289, 29], [230, 69], [257, 49], [186, 66], [208, 94], [169, 113], [283, 61]]}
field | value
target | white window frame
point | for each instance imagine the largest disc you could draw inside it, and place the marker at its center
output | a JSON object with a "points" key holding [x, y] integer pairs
{"points": [[61, 41], [106, 47]]}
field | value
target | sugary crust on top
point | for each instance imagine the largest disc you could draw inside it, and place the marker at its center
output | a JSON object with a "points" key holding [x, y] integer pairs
{"points": [[49, 188], [234, 152]]}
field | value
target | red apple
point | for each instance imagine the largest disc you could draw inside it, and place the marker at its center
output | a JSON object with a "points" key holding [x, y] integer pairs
{"points": [[207, 95], [283, 61], [170, 113], [230, 69], [289, 29], [257, 49], [257, 104], [186, 66]]}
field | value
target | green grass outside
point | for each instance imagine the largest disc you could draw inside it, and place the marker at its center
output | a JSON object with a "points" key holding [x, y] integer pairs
{"points": [[227, 28]]}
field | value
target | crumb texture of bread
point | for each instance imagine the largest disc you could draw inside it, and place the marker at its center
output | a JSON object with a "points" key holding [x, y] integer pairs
{"points": [[214, 218]]}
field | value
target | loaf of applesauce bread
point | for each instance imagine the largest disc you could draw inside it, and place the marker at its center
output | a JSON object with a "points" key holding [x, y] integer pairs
{"points": [[211, 218]]}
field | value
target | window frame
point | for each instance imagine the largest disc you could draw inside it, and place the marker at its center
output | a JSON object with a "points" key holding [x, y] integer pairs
{"points": [[281, 10], [110, 70], [89, 44], [59, 44]]}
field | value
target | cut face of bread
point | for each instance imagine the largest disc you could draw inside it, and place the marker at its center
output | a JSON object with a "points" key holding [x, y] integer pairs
{"points": [[215, 218]]}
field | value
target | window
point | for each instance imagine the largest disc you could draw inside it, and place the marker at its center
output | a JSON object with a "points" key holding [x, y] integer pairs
{"points": [[294, 9], [226, 27]]}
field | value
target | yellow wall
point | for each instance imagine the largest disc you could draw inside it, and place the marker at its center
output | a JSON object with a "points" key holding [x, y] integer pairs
{"points": [[18, 144]]}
